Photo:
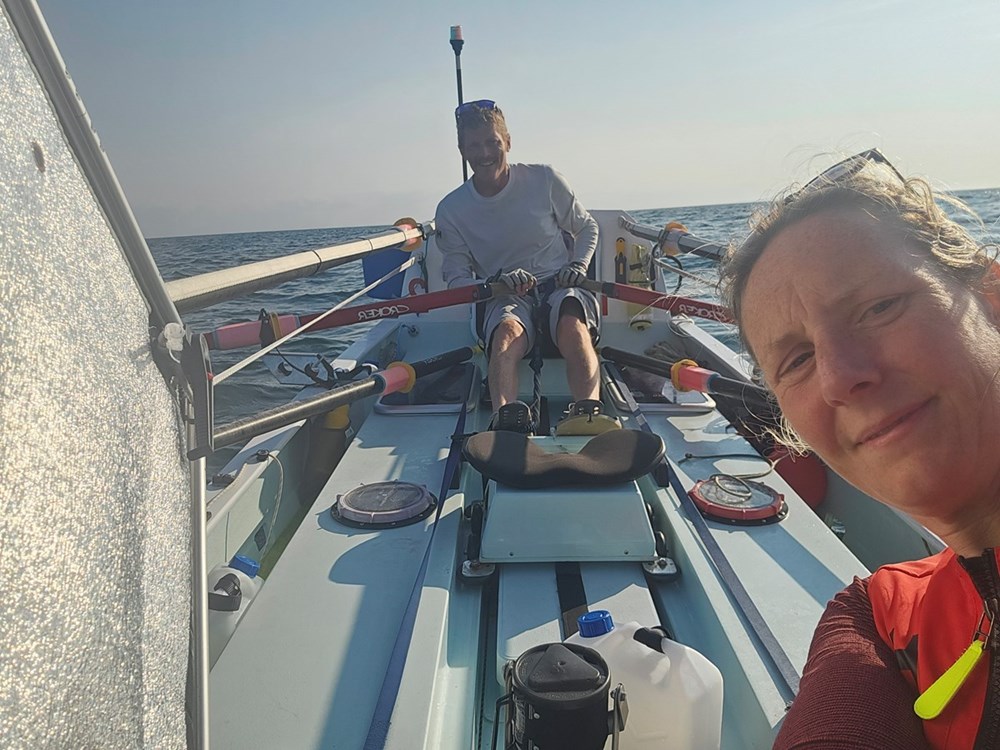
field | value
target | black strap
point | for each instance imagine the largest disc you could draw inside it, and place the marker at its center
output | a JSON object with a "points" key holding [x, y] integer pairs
{"points": [[730, 579], [572, 596], [536, 355], [231, 597]]}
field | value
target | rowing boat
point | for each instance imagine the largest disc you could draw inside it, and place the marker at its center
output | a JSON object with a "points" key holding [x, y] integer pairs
{"points": [[309, 664], [374, 568]]}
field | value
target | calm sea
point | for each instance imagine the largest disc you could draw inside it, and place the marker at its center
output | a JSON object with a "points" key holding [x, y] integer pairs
{"points": [[254, 389]]}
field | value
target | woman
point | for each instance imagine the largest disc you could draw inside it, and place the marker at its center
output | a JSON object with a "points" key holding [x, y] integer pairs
{"points": [[873, 317]]}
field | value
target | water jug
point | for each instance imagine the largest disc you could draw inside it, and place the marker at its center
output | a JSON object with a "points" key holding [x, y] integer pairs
{"points": [[231, 589], [674, 693]]}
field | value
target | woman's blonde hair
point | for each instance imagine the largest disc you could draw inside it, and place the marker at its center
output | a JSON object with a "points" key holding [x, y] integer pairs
{"points": [[911, 205]]}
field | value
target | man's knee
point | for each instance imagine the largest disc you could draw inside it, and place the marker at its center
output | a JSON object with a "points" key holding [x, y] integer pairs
{"points": [[508, 337], [571, 309], [571, 328]]}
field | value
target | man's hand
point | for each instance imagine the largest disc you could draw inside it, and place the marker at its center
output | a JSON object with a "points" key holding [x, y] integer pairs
{"points": [[572, 274], [519, 281]]}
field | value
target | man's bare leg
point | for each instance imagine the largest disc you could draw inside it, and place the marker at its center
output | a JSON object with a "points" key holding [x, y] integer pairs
{"points": [[577, 348], [508, 346]]}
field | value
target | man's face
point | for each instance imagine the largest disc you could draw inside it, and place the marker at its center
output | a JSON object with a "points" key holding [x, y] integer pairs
{"points": [[486, 151]]}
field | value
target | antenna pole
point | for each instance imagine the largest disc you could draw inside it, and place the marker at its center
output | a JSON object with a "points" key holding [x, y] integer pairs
{"points": [[456, 44]]}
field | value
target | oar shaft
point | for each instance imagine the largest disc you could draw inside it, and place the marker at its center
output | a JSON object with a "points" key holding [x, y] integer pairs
{"points": [[669, 302], [399, 376], [236, 335], [677, 240], [204, 290], [442, 361], [393, 308], [647, 364], [243, 429]]}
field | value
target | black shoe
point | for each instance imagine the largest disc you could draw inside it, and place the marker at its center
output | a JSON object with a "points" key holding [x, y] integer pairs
{"points": [[513, 417]]}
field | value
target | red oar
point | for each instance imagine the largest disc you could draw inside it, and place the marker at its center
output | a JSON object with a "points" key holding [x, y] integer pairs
{"points": [[236, 335], [669, 302]]}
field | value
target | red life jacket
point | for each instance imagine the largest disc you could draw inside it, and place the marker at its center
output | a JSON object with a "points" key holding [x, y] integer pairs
{"points": [[928, 611]]}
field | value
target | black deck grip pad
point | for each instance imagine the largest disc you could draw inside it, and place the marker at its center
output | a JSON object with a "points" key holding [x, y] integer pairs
{"points": [[612, 457]]}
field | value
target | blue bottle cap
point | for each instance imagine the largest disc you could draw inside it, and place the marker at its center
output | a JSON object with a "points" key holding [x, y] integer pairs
{"points": [[245, 564], [595, 623]]}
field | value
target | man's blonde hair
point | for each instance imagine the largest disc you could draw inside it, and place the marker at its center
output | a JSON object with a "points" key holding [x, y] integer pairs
{"points": [[474, 117]]}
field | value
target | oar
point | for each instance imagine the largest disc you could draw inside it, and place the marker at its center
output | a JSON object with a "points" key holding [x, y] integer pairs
{"points": [[675, 239], [638, 295], [203, 290], [398, 376], [686, 375], [236, 335]]}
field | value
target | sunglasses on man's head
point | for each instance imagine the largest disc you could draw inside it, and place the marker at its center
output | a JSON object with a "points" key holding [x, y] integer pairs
{"points": [[844, 169], [472, 106]]}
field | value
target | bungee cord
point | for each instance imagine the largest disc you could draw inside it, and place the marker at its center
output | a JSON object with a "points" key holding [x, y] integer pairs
{"points": [[672, 264], [749, 456], [301, 329]]}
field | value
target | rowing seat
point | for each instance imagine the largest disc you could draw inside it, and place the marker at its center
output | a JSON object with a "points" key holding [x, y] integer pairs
{"points": [[614, 457]]}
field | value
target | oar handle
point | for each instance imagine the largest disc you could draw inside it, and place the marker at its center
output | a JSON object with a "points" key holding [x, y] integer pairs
{"points": [[400, 376], [686, 375]]}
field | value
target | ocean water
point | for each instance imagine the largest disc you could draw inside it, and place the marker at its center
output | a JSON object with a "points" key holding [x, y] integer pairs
{"points": [[253, 389]]}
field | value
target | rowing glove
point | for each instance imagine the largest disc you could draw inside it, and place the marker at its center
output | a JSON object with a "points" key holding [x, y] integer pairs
{"points": [[572, 274], [519, 280]]}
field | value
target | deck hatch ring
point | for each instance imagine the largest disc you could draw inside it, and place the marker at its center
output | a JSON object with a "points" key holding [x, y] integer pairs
{"points": [[383, 505], [731, 499]]}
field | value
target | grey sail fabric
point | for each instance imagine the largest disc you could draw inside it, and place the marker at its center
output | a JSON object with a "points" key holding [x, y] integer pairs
{"points": [[94, 497]]}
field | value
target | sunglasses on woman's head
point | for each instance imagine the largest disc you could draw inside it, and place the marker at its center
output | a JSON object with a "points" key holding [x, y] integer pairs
{"points": [[471, 106], [844, 169]]}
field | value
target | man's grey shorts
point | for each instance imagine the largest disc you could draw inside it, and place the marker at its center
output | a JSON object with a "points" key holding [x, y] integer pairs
{"points": [[519, 308]]}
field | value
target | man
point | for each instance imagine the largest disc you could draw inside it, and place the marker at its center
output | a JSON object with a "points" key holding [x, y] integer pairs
{"points": [[510, 219]]}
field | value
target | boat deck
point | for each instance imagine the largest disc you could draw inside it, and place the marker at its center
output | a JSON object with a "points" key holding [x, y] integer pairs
{"points": [[306, 665]]}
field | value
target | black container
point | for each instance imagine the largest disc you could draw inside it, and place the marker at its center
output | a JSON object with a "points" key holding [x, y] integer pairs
{"points": [[559, 698]]}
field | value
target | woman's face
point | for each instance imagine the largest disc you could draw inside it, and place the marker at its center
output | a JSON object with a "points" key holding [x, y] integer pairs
{"points": [[886, 369]]}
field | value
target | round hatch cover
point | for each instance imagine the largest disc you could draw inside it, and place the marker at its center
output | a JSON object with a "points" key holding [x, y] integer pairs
{"points": [[383, 504], [734, 500]]}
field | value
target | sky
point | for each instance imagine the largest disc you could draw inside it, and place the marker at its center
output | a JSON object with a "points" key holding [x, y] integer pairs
{"points": [[251, 115]]}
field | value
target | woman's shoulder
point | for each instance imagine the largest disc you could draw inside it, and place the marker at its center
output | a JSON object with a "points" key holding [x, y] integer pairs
{"points": [[914, 572], [897, 592]]}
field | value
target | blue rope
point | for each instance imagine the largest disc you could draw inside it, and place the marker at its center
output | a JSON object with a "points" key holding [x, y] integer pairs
{"points": [[378, 730]]}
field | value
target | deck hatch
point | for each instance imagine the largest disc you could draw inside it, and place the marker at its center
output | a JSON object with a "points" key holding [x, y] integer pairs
{"points": [[383, 504]]}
